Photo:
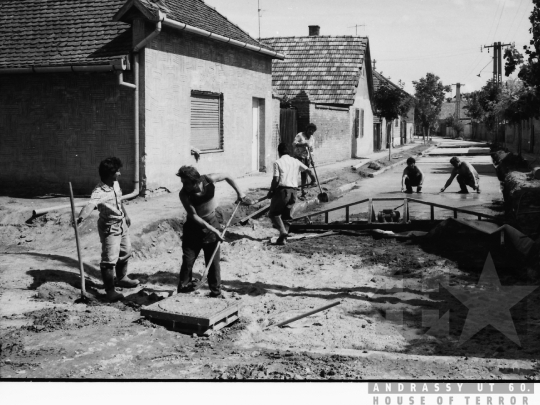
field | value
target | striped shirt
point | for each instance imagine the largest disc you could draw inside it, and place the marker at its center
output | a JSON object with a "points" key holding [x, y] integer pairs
{"points": [[108, 201]]}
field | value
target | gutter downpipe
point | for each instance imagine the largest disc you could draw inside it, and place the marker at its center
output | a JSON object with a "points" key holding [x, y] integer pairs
{"points": [[134, 86]]}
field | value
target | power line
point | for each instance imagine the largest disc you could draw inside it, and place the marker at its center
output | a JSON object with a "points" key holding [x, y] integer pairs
{"points": [[514, 19], [425, 57], [500, 16]]}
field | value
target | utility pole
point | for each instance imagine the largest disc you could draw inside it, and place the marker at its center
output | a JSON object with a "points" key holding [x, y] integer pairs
{"points": [[497, 73], [259, 16], [458, 99], [356, 27], [374, 62]]}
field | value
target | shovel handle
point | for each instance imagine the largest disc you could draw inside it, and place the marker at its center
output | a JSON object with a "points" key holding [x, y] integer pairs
{"points": [[203, 277], [81, 268], [314, 170]]}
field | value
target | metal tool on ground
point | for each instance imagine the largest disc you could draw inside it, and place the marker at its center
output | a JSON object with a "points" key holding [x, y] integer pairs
{"points": [[84, 297], [323, 197], [296, 318], [258, 212], [203, 276]]}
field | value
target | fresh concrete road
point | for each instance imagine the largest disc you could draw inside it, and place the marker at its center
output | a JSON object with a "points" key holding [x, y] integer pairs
{"points": [[437, 170]]}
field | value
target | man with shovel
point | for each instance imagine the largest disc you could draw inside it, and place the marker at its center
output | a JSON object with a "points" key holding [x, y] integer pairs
{"points": [[283, 191], [113, 228], [202, 229], [303, 149]]}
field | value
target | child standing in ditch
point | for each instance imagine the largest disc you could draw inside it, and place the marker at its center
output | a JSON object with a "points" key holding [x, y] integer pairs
{"points": [[113, 228]]}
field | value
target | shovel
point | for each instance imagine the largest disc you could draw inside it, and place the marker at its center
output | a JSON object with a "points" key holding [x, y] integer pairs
{"points": [[323, 197], [83, 298], [203, 276]]}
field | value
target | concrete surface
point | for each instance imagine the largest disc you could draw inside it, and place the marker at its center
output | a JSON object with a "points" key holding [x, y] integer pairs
{"points": [[437, 171]]}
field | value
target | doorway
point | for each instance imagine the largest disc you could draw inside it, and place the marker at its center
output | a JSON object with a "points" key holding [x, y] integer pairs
{"points": [[258, 136]]}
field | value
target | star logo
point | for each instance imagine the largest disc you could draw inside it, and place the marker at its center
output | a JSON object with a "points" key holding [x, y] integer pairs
{"points": [[489, 303]]}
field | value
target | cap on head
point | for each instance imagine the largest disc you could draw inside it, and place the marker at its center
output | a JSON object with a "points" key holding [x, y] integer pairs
{"points": [[411, 161], [455, 159]]}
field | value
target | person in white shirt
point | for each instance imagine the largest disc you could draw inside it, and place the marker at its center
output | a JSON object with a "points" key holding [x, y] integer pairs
{"points": [[466, 176], [302, 142], [283, 191]]}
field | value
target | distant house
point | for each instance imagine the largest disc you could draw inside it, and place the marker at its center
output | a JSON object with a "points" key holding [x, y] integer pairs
{"points": [[328, 80], [401, 130], [147, 81], [448, 109]]}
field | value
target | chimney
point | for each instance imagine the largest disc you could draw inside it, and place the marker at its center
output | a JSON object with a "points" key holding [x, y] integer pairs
{"points": [[314, 30]]}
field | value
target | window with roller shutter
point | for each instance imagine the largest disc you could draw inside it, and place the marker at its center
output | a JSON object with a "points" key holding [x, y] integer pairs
{"points": [[207, 121]]}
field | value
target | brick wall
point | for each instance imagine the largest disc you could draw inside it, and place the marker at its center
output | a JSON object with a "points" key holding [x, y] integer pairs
{"points": [[175, 64], [333, 136], [56, 128]]}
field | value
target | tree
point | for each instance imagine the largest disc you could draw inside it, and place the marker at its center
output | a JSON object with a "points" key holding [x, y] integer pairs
{"points": [[455, 124], [429, 99], [521, 101], [391, 102]]}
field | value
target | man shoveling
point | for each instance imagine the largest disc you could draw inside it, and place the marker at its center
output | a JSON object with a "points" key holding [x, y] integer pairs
{"points": [[202, 229], [283, 191], [466, 176]]}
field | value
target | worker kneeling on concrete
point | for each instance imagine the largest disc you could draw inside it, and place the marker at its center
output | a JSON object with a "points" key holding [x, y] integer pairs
{"points": [[466, 176], [113, 228], [412, 176], [283, 191], [202, 229]]}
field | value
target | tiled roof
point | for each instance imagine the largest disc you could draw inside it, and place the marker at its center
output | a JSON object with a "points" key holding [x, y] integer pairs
{"points": [[82, 32], [201, 15], [61, 32], [325, 67], [449, 109]]}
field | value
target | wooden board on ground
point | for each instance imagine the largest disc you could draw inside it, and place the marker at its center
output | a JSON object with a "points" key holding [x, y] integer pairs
{"points": [[192, 314]]}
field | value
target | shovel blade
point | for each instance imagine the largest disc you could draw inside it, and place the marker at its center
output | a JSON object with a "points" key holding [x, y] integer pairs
{"points": [[323, 197]]}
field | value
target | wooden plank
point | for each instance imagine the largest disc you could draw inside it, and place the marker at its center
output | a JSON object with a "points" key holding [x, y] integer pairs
{"points": [[253, 214], [422, 225], [326, 217], [331, 209], [346, 214], [432, 212], [370, 210]]}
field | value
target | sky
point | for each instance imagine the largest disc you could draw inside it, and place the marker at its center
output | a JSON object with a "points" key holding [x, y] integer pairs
{"points": [[408, 38]]}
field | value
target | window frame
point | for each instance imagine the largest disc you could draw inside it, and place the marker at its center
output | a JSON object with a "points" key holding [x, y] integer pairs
{"points": [[219, 97]]}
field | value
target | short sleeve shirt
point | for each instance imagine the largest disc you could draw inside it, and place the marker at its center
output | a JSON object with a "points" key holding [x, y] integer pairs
{"points": [[108, 201], [301, 151], [466, 169], [287, 169]]}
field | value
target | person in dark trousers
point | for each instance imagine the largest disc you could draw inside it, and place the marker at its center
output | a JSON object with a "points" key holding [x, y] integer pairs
{"points": [[466, 176], [201, 229], [113, 228], [302, 142], [283, 191], [412, 176]]}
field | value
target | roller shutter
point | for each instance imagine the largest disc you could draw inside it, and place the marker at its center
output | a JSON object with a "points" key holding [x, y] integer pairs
{"points": [[206, 122]]}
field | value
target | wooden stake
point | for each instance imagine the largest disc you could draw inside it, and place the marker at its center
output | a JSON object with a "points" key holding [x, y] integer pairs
{"points": [[81, 266]]}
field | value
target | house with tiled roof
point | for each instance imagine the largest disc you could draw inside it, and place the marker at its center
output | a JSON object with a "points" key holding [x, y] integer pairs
{"points": [[328, 80], [157, 83], [401, 130], [449, 109]]}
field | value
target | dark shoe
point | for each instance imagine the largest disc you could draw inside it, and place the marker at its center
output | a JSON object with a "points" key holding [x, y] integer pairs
{"points": [[214, 294], [127, 283], [418, 189], [313, 183], [190, 287], [107, 274], [409, 191], [282, 240], [463, 192]]}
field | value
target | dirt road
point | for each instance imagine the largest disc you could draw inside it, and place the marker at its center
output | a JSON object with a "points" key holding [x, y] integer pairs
{"points": [[377, 332]]}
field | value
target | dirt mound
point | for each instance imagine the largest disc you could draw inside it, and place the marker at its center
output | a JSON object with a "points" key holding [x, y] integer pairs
{"points": [[51, 319], [59, 293]]}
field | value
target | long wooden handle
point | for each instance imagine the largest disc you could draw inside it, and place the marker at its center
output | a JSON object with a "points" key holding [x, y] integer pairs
{"points": [[314, 170], [219, 243], [81, 268], [332, 304]]}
